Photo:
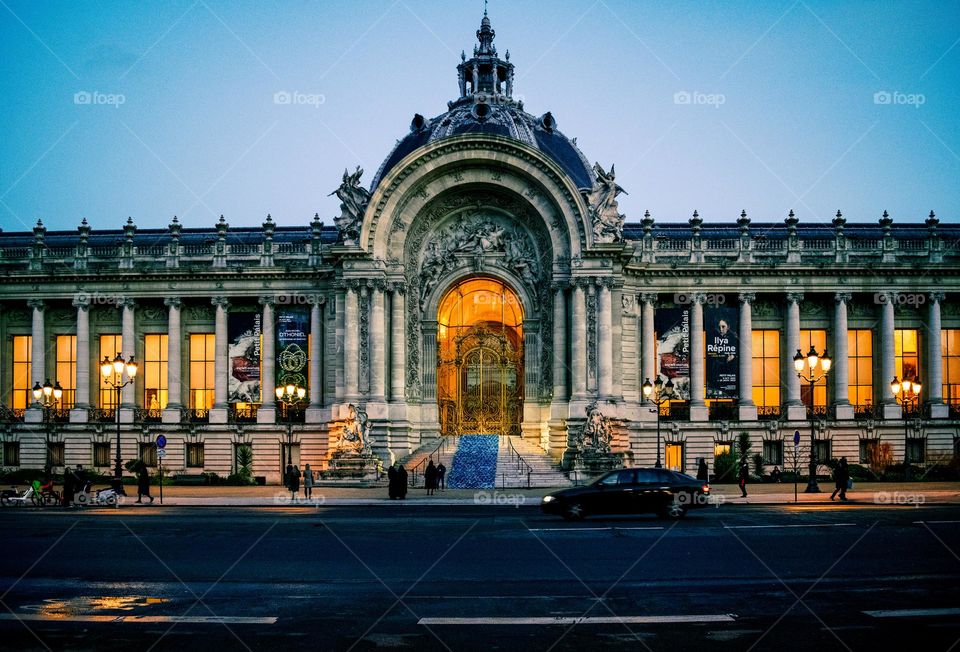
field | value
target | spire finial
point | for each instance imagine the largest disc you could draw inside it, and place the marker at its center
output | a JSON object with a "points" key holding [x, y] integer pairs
{"points": [[484, 7]]}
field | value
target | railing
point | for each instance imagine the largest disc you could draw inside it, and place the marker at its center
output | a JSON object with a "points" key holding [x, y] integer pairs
{"points": [[723, 411], [290, 413], [912, 245], [868, 411], [104, 252], [244, 249], [419, 468], [768, 245], [245, 414], [675, 412], [103, 414], [954, 409], [864, 245], [10, 414], [291, 248], [673, 245], [817, 244], [724, 245], [517, 459], [195, 415], [147, 415], [197, 250], [768, 412]]}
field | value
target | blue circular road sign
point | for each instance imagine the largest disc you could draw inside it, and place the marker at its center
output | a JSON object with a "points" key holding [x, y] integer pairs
{"points": [[161, 441], [796, 437]]}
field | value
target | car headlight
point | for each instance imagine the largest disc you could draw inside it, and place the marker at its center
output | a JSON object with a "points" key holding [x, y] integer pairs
{"points": [[548, 499]]}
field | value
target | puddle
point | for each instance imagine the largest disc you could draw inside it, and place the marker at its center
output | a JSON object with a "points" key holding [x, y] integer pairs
{"points": [[81, 605]]}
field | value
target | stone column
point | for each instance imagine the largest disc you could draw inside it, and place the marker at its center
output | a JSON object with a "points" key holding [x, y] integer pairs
{"points": [[578, 349], [746, 408], [267, 412], [398, 343], [221, 362], [796, 410], [128, 337], [934, 386], [648, 342], [560, 388], [171, 414], [888, 359], [698, 405], [351, 344], [604, 339], [81, 405], [314, 409], [38, 359], [378, 330], [840, 371]]}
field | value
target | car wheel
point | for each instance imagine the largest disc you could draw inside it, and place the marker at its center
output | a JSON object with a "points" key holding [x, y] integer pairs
{"points": [[574, 512]]}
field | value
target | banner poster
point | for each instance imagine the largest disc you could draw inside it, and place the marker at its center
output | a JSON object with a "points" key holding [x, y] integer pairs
{"points": [[722, 325], [673, 349], [293, 327], [243, 335]]}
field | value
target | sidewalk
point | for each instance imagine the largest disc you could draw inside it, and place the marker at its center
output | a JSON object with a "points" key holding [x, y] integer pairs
{"points": [[876, 493]]}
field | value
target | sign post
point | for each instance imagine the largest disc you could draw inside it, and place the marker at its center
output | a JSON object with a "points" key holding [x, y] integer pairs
{"points": [[161, 453]]}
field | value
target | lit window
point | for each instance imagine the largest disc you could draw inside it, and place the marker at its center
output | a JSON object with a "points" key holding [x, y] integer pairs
{"points": [[201, 371], [673, 456], [907, 354], [110, 346], [950, 350], [101, 454], [860, 366], [818, 339], [155, 373], [67, 370], [22, 354], [766, 368], [148, 453]]}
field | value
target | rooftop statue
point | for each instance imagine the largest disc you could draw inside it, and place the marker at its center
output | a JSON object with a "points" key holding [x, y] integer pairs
{"points": [[353, 204], [602, 206]]}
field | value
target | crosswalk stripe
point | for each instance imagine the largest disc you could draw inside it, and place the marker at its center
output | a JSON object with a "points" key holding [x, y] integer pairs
{"points": [[580, 620]]}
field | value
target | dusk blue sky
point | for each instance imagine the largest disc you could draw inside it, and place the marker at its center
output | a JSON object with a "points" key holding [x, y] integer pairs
{"points": [[789, 117]]}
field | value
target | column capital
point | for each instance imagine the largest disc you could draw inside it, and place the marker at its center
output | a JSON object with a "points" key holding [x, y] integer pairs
{"points": [[399, 287], [649, 297], [559, 286], [844, 297], [220, 302], [582, 282], [267, 300], [126, 302], [81, 301], [747, 297], [173, 302], [607, 282], [37, 304], [937, 297], [698, 297], [794, 297]]}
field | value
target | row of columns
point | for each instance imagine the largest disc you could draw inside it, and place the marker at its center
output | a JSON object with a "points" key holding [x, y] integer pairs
{"points": [[579, 338], [367, 300]]}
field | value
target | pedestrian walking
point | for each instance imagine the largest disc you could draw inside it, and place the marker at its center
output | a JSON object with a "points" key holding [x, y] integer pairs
{"points": [[68, 486], [744, 475], [430, 478], [401, 482], [841, 479], [441, 475], [288, 479], [295, 481], [307, 482], [702, 473], [392, 482], [143, 482]]}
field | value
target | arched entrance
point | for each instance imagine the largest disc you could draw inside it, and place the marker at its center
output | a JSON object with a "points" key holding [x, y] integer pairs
{"points": [[480, 359]]}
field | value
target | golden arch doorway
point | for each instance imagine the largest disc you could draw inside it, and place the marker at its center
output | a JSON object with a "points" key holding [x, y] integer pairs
{"points": [[480, 359]]}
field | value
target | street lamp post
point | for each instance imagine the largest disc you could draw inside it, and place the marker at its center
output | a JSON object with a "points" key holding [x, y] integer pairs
{"points": [[810, 362], [659, 393], [289, 395], [47, 396], [113, 376], [905, 392]]}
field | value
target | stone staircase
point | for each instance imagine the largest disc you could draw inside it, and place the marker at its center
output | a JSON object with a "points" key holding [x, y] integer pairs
{"points": [[416, 462], [543, 472]]}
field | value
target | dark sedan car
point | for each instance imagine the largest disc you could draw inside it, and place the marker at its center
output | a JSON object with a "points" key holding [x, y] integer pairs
{"points": [[630, 491]]}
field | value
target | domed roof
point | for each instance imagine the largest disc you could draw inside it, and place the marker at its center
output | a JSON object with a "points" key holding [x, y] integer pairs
{"points": [[486, 106]]}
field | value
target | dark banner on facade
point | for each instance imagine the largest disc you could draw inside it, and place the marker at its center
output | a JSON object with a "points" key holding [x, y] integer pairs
{"points": [[243, 333], [722, 325], [673, 349], [293, 327]]}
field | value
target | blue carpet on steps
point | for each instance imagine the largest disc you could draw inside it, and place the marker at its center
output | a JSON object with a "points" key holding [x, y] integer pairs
{"points": [[474, 464]]}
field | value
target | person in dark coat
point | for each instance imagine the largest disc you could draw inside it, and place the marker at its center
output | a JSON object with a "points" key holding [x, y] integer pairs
{"points": [[392, 483], [69, 487], [295, 482], [744, 475], [401, 482], [441, 475], [430, 478], [702, 473], [143, 482], [841, 477], [776, 475], [288, 479]]}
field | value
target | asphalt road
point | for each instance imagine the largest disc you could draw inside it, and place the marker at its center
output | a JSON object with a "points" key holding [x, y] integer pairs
{"points": [[405, 576]]}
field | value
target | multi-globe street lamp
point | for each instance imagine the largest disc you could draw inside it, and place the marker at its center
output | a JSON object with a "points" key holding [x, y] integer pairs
{"points": [[113, 373], [906, 393], [47, 396], [289, 395], [806, 367], [659, 393]]}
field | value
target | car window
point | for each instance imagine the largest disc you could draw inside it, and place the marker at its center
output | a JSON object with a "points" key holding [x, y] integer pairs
{"points": [[646, 476], [618, 478]]}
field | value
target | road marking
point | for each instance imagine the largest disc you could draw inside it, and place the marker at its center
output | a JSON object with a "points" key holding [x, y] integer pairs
{"points": [[194, 620], [590, 529], [935, 522], [765, 527], [581, 620], [913, 613]]}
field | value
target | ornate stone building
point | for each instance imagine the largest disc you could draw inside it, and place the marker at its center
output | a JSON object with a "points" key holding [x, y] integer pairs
{"points": [[485, 283]]}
